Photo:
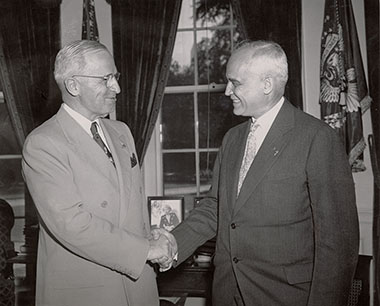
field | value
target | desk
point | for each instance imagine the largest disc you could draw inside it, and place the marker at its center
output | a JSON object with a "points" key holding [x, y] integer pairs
{"points": [[193, 279]]}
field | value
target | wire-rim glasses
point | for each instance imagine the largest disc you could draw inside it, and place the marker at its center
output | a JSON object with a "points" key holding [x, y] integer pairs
{"points": [[107, 78]]}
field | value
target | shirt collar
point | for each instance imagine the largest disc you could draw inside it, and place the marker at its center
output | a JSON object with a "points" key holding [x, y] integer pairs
{"points": [[265, 121], [82, 121]]}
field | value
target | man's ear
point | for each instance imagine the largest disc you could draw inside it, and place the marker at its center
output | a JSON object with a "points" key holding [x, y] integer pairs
{"points": [[268, 84], [72, 86]]}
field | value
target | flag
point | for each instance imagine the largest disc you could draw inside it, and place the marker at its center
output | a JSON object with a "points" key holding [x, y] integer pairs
{"points": [[89, 25], [343, 90]]}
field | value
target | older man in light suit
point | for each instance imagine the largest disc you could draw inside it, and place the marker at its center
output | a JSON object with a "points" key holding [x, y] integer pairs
{"points": [[84, 177], [286, 222]]}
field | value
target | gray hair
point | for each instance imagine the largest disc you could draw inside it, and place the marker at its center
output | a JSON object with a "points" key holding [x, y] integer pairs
{"points": [[71, 59], [270, 53]]}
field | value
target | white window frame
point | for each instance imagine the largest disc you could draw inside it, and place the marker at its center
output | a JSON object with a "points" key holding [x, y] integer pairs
{"points": [[153, 162]]}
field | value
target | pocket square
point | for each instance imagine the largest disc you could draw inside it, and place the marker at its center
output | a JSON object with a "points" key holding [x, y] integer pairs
{"points": [[133, 160]]}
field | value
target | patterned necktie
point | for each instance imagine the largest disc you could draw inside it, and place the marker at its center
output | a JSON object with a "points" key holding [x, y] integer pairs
{"points": [[249, 154], [99, 141]]}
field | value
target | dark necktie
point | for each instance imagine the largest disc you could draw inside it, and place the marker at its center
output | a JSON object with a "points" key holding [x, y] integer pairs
{"points": [[99, 141]]}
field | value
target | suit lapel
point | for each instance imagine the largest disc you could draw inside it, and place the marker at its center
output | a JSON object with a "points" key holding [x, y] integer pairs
{"points": [[269, 152], [236, 154], [121, 151], [85, 147]]}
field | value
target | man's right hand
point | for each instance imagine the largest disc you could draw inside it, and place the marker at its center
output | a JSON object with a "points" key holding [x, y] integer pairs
{"points": [[163, 249], [160, 251]]}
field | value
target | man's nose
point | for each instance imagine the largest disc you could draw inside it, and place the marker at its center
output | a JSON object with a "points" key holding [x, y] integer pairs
{"points": [[114, 86], [228, 90]]}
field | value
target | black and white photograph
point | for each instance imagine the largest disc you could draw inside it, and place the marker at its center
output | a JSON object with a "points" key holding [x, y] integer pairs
{"points": [[165, 212], [189, 153]]}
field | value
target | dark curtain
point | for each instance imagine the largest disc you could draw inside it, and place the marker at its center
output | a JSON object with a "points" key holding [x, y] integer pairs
{"points": [[29, 41], [373, 51], [280, 21], [143, 39]]}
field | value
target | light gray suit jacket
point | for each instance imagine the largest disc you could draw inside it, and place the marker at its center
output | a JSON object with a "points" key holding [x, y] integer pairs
{"points": [[94, 222], [291, 237]]}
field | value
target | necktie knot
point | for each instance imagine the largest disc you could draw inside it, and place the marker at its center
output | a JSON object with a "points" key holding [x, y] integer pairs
{"points": [[254, 126], [94, 129]]}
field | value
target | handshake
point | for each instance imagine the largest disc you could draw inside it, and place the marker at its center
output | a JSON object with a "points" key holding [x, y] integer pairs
{"points": [[163, 249]]}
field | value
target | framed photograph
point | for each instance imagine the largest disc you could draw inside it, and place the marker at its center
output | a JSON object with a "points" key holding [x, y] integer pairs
{"points": [[165, 212]]}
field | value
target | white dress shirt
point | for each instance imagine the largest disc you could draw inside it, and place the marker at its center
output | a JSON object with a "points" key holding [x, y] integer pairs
{"points": [[85, 123], [265, 122]]}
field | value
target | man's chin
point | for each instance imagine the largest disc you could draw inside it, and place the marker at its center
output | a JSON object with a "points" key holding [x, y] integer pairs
{"points": [[238, 111]]}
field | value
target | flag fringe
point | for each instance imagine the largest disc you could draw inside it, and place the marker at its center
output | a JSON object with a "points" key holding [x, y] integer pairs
{"points": [[365, 103], [357, 165]]}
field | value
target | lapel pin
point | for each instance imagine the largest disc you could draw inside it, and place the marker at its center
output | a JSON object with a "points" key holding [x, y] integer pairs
{"points": [[275, 151]]}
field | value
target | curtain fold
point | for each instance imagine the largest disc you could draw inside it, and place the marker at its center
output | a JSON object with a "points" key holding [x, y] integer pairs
{"points": [[29, 41], [30, 37], [143, 40], [280, 21]]}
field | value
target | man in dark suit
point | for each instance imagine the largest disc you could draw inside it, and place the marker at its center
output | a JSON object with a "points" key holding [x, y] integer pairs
{"points": [[286, 223], [83, 174]]}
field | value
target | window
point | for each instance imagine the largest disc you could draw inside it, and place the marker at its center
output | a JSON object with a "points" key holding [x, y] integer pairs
{"points": [[195, 113], [11, 182]]}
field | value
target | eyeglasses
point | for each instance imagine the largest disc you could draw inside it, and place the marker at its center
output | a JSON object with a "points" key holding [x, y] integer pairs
{"points": [[107, 78]]}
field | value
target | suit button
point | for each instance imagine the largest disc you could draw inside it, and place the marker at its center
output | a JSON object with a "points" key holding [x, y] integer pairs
{"points": [[235, 260], [233, 225], [104, 204]]}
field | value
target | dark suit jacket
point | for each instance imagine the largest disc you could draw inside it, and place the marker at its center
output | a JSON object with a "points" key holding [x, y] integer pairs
{"points": [[291, 236]]}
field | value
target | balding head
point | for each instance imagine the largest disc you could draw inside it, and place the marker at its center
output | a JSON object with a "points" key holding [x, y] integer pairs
{"points": [[263, 57], [257, 72]]}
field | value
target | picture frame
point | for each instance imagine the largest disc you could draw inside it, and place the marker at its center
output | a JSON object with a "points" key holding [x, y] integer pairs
{"points": [[165, 212]]}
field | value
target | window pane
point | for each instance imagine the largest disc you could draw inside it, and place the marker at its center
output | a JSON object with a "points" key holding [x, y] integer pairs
{"points": [[206, 56], [210, 14], [11, 181], [214, 49], [186, 16], [8, 138], [207, 160], [179, 173], [182, 65], [178, 121], [216, 117]]}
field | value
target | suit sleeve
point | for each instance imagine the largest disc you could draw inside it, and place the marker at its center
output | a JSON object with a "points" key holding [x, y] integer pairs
{"points": [[51, 182], [201, 225], [336, 229]]}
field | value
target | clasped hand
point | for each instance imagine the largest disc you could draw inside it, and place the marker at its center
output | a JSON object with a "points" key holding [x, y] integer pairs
{"points": [[163, 248]]}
